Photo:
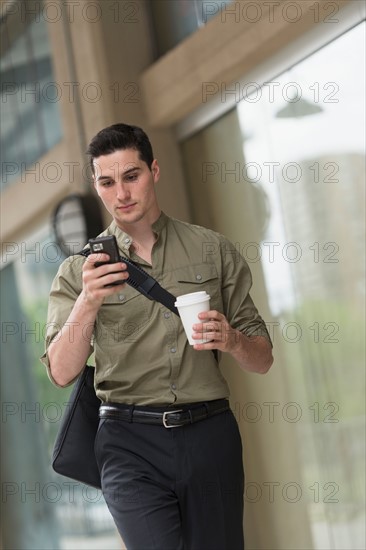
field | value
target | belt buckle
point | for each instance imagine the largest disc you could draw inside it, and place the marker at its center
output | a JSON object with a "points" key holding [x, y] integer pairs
{"points": [[165, 414]]}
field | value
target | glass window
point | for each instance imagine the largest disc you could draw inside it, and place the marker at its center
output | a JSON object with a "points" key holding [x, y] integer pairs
{"points": [[53, 511], [174, 20], [284, 175], [308, 147], [31, 123]]}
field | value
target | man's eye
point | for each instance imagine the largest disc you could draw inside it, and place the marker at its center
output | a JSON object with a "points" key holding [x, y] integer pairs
{"points": [[132, 177], [106, 183]]}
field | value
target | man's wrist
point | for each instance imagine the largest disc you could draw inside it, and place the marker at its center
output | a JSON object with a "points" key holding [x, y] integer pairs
{"points": [[239, 348], [88, 305]]}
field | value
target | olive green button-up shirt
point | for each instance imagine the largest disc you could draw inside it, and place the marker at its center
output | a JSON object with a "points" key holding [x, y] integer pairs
{"points": [[142, 355]]}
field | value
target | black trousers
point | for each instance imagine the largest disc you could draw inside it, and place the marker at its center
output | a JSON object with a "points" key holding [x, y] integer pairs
{"points": [[174, 489]]}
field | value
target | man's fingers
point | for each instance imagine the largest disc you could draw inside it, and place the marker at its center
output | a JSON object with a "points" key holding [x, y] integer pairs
{"points": [[100, 270], [110, 268], [97, 279], [212, 314], [207, 326], [101, 280], [95, 258], [113, 278]]}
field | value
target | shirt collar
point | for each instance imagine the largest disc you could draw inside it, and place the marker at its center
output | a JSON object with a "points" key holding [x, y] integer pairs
{"points": [[160, 223], [125, 240]]}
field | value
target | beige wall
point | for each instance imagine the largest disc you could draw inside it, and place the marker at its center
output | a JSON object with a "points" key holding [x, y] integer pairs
{"points": [[223, 51], [133, 53]]}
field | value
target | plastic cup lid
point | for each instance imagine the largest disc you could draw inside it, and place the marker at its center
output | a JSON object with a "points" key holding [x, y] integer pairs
{"points": [[191, 298]]}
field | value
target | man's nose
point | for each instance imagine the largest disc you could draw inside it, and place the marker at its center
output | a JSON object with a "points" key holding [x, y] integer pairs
{"points": [[123, 192]]}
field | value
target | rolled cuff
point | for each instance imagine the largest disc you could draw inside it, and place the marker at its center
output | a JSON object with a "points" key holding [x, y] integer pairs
{"points": [[46, 362], [256, 331]]}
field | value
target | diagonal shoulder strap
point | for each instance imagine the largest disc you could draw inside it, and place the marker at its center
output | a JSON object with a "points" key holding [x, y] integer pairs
{"points": [[144, 283], [147, 285]]}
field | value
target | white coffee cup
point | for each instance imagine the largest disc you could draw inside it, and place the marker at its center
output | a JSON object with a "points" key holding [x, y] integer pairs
{"points": [[189, 306]]}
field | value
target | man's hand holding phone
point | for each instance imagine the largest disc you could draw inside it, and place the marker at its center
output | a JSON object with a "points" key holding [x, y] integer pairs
{"points": [[103, 272]]}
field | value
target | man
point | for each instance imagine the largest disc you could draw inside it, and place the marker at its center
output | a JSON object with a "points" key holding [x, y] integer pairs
{"points": [[167, 489]]}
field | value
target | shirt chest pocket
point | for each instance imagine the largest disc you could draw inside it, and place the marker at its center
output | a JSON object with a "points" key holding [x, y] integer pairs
{"points": [[199, 277], [124, 314]]}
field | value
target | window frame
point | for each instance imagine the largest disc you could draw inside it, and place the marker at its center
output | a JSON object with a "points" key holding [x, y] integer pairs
{"points": [[292, 54]]}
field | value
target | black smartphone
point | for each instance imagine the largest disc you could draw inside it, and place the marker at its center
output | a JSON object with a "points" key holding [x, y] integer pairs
{"points": [[106, 245]]}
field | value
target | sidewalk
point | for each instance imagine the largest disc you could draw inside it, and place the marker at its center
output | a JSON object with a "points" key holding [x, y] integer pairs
{"points": [[107, 542]]}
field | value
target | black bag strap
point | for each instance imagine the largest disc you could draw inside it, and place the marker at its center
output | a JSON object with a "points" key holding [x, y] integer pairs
{"points": [[144, 283]]}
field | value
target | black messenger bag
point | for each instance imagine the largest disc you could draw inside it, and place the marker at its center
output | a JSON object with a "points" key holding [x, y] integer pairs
{"points": [[73, 451]]}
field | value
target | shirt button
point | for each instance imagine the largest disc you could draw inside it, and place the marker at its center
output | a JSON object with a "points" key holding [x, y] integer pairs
{"points": [[173, 350], [127, 240], [167, 315], [173, 386], [198, 277], [121, 297]]}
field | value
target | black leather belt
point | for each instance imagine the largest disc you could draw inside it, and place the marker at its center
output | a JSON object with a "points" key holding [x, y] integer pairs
{"points": [[168, 418]]}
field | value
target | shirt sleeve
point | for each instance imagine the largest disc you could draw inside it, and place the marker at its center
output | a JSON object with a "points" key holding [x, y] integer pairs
{"points": [[240, 310], [65, 289]]}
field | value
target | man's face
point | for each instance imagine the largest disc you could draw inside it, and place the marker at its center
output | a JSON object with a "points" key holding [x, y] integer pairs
{"points": [[126, 186]]}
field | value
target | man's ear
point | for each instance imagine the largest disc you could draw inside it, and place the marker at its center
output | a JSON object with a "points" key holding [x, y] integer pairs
{"points": [[155, 170]]}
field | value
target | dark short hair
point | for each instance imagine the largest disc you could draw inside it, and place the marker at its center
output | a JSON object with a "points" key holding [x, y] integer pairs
{"points": [[120, 136]]}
